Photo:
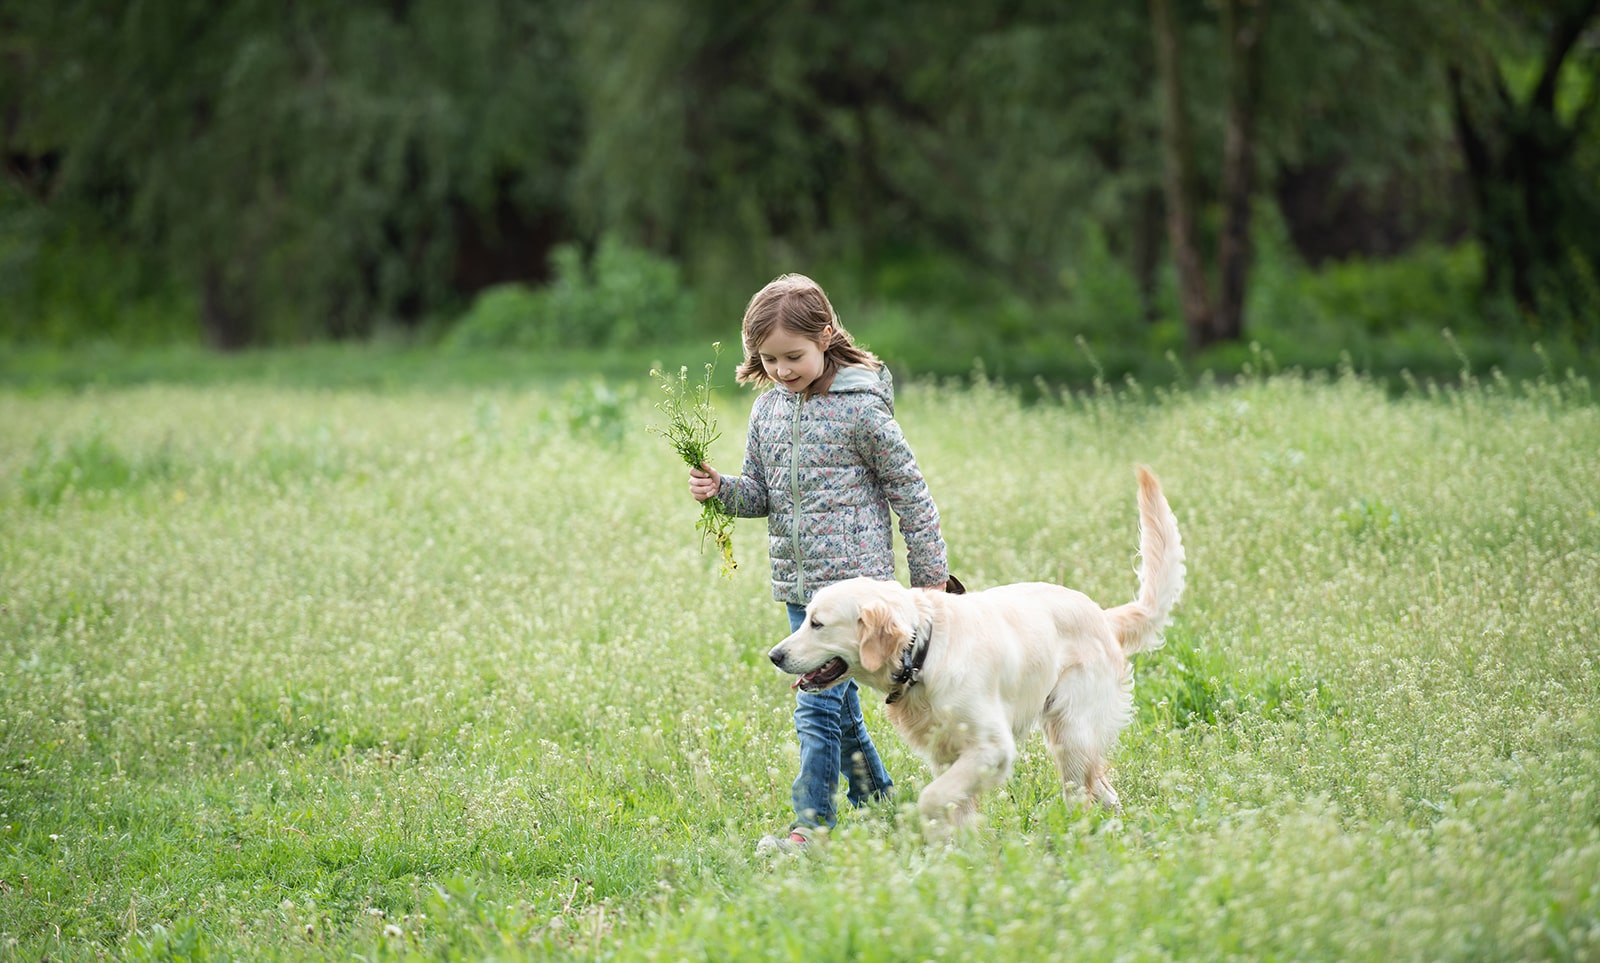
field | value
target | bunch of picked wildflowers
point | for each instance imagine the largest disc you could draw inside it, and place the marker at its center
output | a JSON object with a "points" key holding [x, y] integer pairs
{"points": [[691, 428]]}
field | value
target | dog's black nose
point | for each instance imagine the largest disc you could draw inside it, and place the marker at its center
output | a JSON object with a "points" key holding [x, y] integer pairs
{"points": [[776, 657]]}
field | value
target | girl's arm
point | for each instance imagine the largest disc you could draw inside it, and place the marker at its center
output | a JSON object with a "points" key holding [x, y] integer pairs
{"points": [[884, 447], [745, 495]]}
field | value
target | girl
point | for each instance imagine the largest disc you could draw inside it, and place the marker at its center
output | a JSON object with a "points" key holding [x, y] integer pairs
{"points": [[824, 461]]}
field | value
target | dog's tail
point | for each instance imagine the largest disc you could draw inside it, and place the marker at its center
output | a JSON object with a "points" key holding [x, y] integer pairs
{"points": [[1138, 624]]}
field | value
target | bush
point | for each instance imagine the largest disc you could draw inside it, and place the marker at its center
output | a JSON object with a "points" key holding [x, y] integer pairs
{"points": [[625, 295], [63, 285], [505, 316], [1383, 314]]}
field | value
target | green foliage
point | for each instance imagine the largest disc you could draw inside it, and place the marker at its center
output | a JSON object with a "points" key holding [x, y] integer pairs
{"points": [[596, 410], [1430, 288], [1421, 314], [1193, 685], [1098, 291], [260, 176], [1382, 314], [1523, 90], [624, 297], [90, 465], [627, 296], [718, 129], [68, 281], [1189, 686], [1369, 518], [308, 170], [507, 316]]}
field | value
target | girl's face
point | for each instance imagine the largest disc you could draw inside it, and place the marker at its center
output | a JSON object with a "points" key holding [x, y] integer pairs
{"points": [[792, 360]]}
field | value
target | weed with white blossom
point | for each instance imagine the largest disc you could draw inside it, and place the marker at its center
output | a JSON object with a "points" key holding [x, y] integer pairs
{"points": [[691, 428]]}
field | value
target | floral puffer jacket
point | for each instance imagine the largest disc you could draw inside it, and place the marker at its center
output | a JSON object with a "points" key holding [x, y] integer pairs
{"points": [[825, 471]]}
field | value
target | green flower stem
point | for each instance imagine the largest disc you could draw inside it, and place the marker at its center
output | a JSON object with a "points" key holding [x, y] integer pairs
{"points": [[691, 428]]}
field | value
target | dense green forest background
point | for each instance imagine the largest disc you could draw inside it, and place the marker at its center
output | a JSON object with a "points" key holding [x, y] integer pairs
{"points": [[1043, 186]]}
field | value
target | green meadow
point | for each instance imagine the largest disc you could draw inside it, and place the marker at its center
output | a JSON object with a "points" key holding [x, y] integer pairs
{"points": [[382, 673]]}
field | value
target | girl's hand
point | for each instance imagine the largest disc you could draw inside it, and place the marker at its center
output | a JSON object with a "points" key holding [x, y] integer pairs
{"points": [[704, 482]]}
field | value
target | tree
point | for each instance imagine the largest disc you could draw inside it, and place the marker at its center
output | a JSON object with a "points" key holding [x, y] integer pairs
{"points": [[310, 169], [1536, 194], [320, 169], [1001, 138]]}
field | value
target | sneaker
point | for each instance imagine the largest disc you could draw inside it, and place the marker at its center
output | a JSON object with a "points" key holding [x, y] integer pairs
{"points": [[794, 843]]}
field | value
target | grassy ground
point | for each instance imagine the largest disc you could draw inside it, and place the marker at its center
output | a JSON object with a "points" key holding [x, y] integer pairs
{"points": [[291, 672], [1026, 353], [370, 367]]}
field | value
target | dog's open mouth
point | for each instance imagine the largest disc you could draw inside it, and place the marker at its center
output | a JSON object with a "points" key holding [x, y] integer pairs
{"points": [[822, 677]]}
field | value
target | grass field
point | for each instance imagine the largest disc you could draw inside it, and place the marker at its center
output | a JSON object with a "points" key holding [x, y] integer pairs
{"points": [[297, 673]]}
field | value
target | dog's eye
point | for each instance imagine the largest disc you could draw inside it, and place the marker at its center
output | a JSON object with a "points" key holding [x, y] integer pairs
{"points": [[815, 625]]}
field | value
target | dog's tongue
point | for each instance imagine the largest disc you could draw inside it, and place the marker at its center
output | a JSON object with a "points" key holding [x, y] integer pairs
{"points": [[826, 672]]}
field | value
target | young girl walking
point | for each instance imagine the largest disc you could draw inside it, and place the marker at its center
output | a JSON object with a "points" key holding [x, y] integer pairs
{"points": [[825, 461]]}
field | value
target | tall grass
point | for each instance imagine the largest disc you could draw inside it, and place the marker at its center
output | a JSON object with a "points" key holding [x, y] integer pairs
{"points": [[324, 674]]}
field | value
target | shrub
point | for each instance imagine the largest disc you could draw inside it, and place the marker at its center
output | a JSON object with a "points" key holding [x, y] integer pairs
{"points": [[63, 284], [504, 316], [624, 295]]}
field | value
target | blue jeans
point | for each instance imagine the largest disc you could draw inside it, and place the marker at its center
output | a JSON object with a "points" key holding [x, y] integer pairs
{"points": [[833, 742]]}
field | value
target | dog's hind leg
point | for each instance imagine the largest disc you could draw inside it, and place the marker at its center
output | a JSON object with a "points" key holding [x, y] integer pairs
{"points": [[1081, 764], [1078, 745], [1076, 758], [1098, 786]]}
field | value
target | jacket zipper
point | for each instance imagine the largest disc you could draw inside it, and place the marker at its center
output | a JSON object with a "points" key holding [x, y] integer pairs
{"points": [[794, 495]]}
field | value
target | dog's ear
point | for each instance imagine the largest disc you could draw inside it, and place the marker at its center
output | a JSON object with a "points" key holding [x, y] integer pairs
{"points": [[880, 636]]}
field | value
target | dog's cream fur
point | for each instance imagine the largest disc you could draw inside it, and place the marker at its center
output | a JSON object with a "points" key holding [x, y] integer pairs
{"points": [[999, 663]]}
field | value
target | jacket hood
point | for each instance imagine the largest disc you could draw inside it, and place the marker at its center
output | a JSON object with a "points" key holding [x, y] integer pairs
{"points": [[855, 378]]}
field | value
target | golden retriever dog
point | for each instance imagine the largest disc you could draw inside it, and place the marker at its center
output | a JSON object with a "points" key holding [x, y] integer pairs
{"points": [[968, 677]]}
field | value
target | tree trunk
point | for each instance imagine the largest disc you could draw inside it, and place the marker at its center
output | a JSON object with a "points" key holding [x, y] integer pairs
{"points": [[1146, 254], [1481, 177], [226, 324], [1178, 182], [1243, 36]]}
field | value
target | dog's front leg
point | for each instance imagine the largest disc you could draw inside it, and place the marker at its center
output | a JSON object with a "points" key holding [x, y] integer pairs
{"points": [[951, 800]]}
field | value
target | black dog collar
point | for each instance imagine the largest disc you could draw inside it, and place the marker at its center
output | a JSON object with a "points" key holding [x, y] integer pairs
{"points": [[911, 658]]}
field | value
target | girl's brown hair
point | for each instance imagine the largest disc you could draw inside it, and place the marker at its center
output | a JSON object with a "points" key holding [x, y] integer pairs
{"points": [[798, 305]]}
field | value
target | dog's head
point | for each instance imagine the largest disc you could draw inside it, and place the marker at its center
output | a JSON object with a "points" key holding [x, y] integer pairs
{"points": [[853, 629]]}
